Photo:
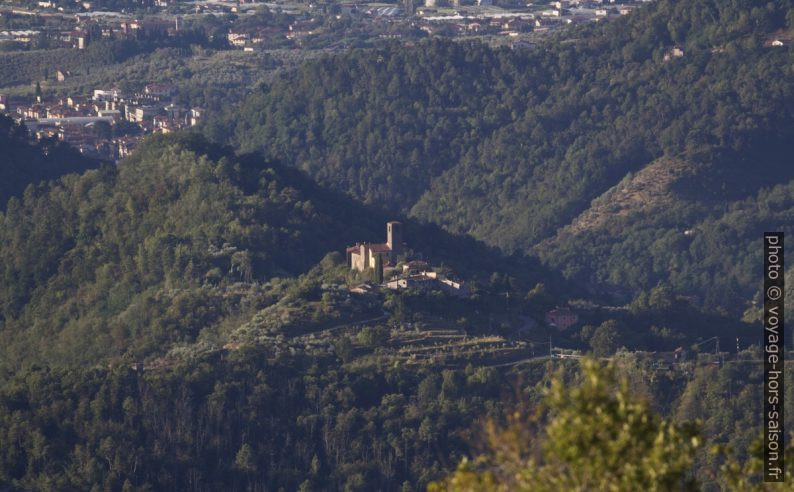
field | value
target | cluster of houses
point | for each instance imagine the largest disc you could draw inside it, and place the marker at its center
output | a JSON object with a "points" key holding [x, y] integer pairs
{"points": [[85, 29], [250, 38], [388, 260], [21, 36], [391, 267], [512, 23], [89, 123], [418, 275], [435, 17]]}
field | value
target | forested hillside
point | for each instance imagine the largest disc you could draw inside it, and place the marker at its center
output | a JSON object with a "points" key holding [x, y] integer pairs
{"points": [[123, 260], [174, 242], [380, 124], [511, 146], [25, 162], [241, 420], [186, 320]]}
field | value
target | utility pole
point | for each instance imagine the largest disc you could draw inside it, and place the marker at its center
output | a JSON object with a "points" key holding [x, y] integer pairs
{"points": [[717, 347], [550, 355]]}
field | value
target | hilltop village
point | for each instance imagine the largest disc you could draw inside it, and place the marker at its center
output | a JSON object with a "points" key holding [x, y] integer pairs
{"points": [[106, 125], [392, 266]]}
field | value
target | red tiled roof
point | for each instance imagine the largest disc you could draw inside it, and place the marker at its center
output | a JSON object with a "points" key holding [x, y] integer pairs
{"points": [[379, 248], [421, 278]]}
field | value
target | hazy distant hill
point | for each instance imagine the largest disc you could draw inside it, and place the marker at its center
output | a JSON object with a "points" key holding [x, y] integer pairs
{"points": [[511, 146]]}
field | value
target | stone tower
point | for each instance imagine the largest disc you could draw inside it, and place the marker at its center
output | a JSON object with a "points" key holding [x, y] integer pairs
{"points": [[394, 238]]}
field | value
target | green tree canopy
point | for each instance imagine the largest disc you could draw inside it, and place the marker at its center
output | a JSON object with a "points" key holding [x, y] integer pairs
{"points": [[593, 435]]}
